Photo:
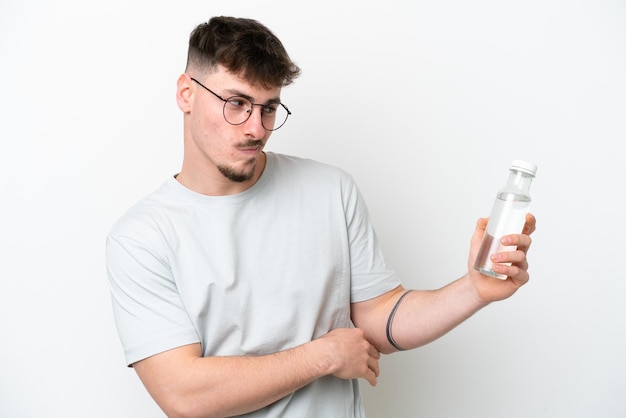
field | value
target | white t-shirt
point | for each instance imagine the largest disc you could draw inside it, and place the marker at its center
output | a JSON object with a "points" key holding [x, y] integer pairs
{"points": [[249, 274]]}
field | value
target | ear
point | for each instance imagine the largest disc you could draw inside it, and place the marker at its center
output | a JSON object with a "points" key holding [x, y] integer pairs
{"points": [[184, 93]]}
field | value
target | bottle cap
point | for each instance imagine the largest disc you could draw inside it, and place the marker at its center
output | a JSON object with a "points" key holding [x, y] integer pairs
{"points": [[524, 166]]}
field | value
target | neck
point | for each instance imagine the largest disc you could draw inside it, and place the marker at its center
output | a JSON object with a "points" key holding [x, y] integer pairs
{"points": [[211, 182]]}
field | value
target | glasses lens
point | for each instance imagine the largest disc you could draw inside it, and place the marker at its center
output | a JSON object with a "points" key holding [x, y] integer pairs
{"points": [[274, 116], [237, 110]]}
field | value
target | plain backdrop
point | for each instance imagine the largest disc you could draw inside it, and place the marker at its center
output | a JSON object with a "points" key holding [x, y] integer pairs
{"points": [[424, 102]]}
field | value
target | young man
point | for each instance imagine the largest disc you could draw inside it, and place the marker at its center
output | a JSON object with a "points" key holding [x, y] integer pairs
{"points": [[252, 282]]}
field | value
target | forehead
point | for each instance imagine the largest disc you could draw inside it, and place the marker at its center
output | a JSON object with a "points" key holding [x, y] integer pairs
{"points": [[234, 84]]}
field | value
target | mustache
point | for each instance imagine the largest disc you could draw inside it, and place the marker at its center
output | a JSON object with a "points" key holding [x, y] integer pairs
{"points": [[251, 143]]}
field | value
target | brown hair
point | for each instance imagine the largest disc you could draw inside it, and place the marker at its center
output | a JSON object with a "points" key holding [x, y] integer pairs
{"points": [[244, 47]]}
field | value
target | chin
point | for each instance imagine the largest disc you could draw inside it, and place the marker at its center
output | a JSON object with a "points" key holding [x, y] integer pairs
{"points": [[237, 176]]}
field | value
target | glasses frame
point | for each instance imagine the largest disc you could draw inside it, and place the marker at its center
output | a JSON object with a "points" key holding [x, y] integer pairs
{"points": [[249, 113]]}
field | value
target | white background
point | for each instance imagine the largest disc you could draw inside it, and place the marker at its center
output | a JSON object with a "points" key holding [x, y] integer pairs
{"points": [[424, 102]]}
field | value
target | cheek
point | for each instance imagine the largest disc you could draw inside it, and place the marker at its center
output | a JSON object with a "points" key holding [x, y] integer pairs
{"points": [[202, 126], [212, 136]]}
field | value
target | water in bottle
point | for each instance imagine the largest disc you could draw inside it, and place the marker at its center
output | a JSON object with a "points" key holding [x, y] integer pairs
{"points": [[508, 215]]}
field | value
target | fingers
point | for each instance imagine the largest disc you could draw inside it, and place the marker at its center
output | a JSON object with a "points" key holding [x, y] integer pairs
{"points": [[515, 274], [481, 223], [372, 376], [513, 264], [521, 241], [530, 225], [517, 257], [510, 268], [373, 365], [353, 355]]}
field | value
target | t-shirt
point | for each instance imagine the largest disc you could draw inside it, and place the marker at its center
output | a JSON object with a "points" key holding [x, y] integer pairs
{"points": [[249, 274]]}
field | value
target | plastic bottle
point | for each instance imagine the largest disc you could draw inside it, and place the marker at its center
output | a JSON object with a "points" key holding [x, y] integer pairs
{"points": [[507, 216]]}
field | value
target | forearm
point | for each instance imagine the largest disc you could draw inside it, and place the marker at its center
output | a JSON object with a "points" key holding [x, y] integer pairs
{"points": [[424, 316], [420, 317], [184, 384], [187, 385]]}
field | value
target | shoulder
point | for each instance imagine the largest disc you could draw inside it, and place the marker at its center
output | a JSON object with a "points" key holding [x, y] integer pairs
{"points": [[320, 184], [142, 218], [305, 168]]}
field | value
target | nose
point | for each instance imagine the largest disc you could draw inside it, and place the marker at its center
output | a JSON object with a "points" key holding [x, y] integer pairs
{"points": [[254, 124]]}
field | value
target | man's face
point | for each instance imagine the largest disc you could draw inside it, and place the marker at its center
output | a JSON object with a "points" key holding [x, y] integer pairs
{"points": [[213, 145]]}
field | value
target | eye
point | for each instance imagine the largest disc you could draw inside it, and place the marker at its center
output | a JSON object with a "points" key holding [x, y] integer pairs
{"points": [[239, 103], [269, 109]]}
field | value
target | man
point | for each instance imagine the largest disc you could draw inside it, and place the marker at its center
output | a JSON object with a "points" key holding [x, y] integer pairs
{"points": [[252, 282]]}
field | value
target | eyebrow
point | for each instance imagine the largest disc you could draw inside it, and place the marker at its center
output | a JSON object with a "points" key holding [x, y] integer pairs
{"points": [[235, 92]]}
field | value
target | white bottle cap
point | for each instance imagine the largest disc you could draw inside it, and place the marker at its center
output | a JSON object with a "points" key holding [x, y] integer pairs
{"points": [[524, 166]]}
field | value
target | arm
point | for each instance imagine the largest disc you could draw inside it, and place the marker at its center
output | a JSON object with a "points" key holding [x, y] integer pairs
{"points": [[185, 384], [424, 316]]}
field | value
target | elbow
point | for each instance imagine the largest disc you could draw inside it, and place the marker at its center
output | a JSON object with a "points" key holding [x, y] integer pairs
{"points": [[178, 409], [386, 350], [179, 405], [182, 409]]}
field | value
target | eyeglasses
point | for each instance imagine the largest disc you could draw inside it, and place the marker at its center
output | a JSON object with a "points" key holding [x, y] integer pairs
{"points": [[237, 110]]}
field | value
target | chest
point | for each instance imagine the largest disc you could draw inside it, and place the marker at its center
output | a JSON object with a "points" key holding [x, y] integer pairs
{"points": [[256, 281]]}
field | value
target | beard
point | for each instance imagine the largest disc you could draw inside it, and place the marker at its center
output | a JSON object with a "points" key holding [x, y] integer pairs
{"points": [[237, 176], [247, 172]]}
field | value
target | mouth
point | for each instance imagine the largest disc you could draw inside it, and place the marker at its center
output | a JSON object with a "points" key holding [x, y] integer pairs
{"points": [[251, 147]]}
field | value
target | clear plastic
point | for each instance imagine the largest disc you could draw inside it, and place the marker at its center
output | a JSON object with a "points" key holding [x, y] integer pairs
{"points": [[508, 215]]}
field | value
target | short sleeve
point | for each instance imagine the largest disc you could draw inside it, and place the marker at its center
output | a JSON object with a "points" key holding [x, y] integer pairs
{"points": [[370, 274], [148, 311]]}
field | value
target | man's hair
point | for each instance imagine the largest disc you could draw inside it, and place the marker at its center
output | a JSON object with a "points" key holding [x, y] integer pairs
{"points": [[244, 47]]}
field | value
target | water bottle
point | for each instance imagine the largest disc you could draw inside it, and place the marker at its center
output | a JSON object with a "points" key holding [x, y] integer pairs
{"points": [[508, 215]]}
